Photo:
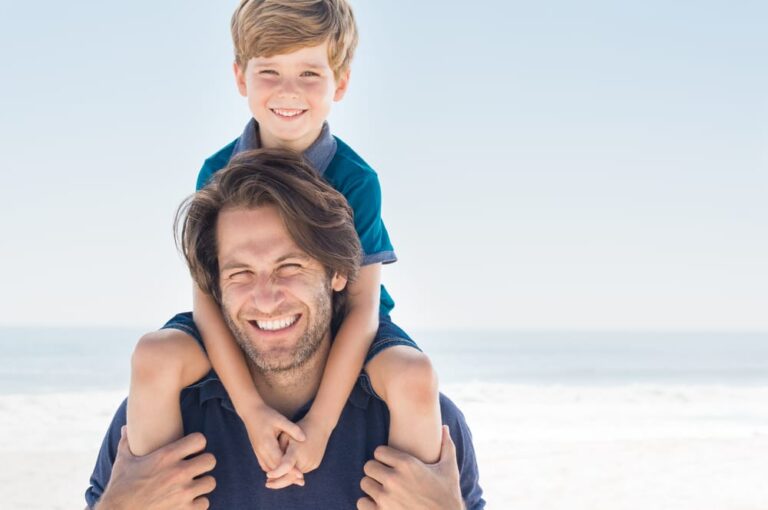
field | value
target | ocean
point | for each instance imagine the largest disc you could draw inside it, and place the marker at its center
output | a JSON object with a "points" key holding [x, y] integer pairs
{"points": [[34, 360]]}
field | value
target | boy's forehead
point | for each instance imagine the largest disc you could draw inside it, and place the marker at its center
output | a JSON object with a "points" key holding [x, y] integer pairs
{"points": [[315, 55]]}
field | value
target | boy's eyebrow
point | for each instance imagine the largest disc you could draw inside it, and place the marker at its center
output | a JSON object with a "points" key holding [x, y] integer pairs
{"points": [[306, 63]]}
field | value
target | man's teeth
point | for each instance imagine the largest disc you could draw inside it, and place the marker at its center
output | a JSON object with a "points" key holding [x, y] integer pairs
{"points": [[287, 113], [278, 324]]}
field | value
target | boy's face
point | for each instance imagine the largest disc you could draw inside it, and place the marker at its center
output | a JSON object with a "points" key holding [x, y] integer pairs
{"points": [[290, 95]]}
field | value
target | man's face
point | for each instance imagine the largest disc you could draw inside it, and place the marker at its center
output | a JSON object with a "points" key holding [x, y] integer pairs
{"points": [[275, 298], [290, 95]]}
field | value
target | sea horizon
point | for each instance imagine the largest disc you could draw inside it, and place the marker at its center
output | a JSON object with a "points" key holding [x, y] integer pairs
{"points": [[76, 359]]}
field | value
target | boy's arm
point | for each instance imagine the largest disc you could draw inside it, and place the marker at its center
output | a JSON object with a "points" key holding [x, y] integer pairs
{"points": [[342, 369], [349, 347], [262, 422]]}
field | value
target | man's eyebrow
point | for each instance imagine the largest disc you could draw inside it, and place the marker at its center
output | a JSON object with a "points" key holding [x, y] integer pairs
{"points": [[293, 255], [231, 265]]}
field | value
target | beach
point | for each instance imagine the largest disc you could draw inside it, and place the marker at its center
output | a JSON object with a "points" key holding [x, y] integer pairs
{"points": [[542, 447]]}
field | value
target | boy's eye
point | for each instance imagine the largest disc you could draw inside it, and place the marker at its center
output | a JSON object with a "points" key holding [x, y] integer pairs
{"points": [[268, 71], [309, 74]]}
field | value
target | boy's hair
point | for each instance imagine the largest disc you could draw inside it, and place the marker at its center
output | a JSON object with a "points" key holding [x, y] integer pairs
{"points": [[317, 217], [264, 28]]}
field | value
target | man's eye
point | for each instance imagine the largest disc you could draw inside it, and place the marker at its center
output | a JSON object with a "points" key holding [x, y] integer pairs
{"points": [[240, 275], [288, 268]]}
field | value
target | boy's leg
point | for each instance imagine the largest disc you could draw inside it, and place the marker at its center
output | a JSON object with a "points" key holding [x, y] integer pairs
{"points": [[404, 378], [163, 363]]}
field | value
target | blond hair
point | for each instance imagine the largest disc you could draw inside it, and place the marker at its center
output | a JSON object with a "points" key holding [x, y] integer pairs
{"points": [[264, 28]]}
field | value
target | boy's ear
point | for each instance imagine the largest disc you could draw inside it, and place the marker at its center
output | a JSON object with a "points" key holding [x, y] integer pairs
{"points": [[338, 282], [240, 78], [341, 86]]}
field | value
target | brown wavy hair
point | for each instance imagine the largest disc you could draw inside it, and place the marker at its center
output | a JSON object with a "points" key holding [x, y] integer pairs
{"points": [[264, 28], [317, 217]]}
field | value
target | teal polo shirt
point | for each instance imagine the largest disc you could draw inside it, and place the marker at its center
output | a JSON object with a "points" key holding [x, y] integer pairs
{"points": [[343, 169]]}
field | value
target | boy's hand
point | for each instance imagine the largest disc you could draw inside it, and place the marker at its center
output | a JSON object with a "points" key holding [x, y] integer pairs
{"points": [[264, 425], [306, 455]]}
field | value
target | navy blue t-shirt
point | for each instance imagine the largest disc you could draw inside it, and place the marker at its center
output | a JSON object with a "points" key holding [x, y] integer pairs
{"points": [[363, 425]]}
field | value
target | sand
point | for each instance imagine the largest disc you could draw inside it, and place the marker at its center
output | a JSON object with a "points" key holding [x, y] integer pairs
{"points": [[539, 447]]}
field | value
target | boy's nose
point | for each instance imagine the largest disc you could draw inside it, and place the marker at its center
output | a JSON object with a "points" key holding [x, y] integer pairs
{"points": [[289, 89]]}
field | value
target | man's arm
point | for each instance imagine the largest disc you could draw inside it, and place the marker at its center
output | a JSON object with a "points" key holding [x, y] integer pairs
{"points": [[398, 481], [163, 480]]}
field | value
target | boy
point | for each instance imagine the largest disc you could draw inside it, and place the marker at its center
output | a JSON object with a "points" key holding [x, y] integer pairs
{"points": [[292, 61]]}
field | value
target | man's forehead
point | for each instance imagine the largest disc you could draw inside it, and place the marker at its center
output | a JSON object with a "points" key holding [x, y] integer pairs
{"points": [[253, 233]]}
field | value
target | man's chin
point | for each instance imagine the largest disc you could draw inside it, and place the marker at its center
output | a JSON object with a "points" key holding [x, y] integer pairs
{"points": [[275, 362]]}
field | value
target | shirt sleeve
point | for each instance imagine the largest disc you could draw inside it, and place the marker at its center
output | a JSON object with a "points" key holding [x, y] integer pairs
{"points": [[106, 458], [469, 477], [364, 197], [214, 164]]}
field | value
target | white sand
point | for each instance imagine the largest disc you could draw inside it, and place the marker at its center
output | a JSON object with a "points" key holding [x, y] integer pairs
{"points": [[632, 447]]}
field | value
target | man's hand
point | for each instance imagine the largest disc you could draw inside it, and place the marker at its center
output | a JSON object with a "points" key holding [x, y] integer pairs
{"points": [[264, 425], [162, 480], [398, 481]]}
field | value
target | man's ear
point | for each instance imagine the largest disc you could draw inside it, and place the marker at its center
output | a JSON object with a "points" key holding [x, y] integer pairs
{"points": [[341, 85], [240, 78], [338, 282]]}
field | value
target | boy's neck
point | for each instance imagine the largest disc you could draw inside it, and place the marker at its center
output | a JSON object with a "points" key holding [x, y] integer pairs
{"points": [[267, 141]]}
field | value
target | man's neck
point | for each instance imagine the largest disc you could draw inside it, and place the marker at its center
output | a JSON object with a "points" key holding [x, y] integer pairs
{"points": [[287, 391]]}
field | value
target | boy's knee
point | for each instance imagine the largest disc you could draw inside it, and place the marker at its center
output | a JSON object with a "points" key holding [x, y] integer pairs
{"points": [[415, 379], [153, 357]]}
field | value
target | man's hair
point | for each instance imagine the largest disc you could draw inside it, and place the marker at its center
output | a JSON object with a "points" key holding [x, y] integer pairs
{"points": [[264, 28], [316, 216]]}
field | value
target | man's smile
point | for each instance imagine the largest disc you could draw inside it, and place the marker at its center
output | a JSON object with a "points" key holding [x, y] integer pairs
{"points": [[280, 324]]}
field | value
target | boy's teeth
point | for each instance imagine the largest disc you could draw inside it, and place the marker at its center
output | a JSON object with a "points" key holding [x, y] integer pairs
{"points": [[287, 113], [278, 324]]}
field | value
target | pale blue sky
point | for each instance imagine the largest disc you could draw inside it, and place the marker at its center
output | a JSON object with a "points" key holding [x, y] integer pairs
{"points": [[558, 165]]}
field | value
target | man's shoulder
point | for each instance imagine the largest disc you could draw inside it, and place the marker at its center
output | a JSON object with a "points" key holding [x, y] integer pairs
{"points": [[214, 163]]}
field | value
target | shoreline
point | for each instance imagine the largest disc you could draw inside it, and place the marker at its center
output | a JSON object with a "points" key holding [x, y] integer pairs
{"points": [[538, 447]]}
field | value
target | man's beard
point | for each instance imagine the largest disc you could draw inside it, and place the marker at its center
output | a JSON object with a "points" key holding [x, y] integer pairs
{"points": [[307, 345]]}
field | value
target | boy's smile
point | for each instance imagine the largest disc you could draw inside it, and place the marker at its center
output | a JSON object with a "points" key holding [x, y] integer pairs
{"points": [[290, 95]]}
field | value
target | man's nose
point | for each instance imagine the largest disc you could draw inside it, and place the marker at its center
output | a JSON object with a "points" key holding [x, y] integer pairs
{"points": [[267, 295]]}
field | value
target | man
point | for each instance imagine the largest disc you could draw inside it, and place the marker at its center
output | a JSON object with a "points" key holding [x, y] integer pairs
{"points": [[270, 239]]}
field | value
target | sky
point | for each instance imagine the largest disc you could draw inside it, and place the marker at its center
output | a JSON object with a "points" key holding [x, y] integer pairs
{"points": [[545, 165]]}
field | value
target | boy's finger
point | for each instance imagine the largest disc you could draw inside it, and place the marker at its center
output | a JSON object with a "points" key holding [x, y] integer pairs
{"points": [[283, 440], [291, 429], [289, 462], [292, 477], [273, 455]]}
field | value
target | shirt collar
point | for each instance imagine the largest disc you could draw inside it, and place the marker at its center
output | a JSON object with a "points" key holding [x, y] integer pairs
{"points": [[319, 154]]}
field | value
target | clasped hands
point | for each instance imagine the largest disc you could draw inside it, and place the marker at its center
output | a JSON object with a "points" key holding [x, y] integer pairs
{"points": [[393, 479], [286, 450]]}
